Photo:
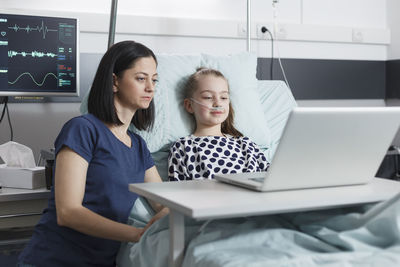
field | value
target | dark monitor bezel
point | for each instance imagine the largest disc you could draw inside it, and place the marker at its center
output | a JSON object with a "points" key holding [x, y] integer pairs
{"points": [[34, 93]]}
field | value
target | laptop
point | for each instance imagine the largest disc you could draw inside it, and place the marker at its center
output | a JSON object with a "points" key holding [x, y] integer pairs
{"points": [[323, 147]]}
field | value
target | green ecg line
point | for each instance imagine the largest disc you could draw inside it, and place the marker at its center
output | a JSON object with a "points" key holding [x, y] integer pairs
{"points": [[28, 29], [33, 79], [35, 53]]}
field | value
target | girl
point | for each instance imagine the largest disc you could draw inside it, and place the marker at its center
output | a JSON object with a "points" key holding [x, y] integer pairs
{"points": [[96, 158], [215, 146]]}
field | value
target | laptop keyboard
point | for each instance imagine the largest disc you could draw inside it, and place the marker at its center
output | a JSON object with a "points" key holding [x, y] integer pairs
{"points": [[258, 179]]}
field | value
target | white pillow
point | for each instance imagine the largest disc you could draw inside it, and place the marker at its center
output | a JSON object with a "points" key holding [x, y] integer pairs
{"points": [[173, 122], [277, 101]]}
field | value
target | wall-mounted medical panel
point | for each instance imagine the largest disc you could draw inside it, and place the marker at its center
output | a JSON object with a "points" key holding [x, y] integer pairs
{"points": [[311, 79], [393, 79]]}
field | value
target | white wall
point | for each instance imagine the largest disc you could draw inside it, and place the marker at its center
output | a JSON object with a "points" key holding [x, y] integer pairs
{"points": [[359, 13], [311, 28], [308, 28], [354, 13], [37, 125], [393, 21]]}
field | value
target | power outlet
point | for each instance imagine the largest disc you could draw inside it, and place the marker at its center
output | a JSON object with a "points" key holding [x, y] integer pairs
{"points": [[281, 32], [358, 36], [264, 35], [260, 34]]}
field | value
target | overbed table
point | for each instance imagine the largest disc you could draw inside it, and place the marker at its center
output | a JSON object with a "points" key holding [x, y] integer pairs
{"points": [[209, 199]]}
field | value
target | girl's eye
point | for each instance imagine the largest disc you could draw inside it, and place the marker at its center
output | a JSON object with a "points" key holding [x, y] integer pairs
{"points": [[155, 81], [141, 79]]}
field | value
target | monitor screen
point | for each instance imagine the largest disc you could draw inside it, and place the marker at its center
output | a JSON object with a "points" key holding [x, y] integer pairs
{"points": [[38, 56]]}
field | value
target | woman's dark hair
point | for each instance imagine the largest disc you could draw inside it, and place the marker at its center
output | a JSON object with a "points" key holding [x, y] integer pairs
{"points": [[118, 58], [192, 85]]}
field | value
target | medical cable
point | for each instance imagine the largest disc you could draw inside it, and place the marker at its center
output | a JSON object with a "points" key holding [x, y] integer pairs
{"points": [[283, 70], [264, 30], [275, 23], [218, 108], [5, 109]]}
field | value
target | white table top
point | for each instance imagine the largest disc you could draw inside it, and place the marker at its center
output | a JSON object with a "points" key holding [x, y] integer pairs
{"points": [[211, 199]]}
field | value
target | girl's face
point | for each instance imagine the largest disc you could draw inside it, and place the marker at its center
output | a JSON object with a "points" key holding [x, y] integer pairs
{"points": [[134, 88], [212, 92]]}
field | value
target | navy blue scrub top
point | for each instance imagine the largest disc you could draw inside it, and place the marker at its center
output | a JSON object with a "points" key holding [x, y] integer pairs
{"points": [[112, 166]]}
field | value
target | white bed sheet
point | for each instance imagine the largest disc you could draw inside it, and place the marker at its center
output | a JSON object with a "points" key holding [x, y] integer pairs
{"points": [[358, 236]]}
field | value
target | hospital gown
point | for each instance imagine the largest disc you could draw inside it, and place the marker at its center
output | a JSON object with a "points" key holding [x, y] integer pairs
{"points": [[193, 157]]}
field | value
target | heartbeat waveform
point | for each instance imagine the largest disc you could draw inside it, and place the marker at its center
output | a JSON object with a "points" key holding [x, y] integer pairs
{"points": [[12, 53], [33, 79], [28, 29]]}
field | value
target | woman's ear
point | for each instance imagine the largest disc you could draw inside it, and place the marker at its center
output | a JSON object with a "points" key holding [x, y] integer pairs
{"points": [[188, 105], [115, 83]]}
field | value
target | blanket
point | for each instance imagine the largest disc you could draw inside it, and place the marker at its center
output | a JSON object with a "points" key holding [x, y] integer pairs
{"points": [[367, 235]]}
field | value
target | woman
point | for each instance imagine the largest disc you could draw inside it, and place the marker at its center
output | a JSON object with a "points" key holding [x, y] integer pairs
{"points": [[96, 158]]}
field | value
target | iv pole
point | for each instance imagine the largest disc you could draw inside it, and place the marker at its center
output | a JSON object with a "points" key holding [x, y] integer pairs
{"points": [[113, 20], [248, 25]]}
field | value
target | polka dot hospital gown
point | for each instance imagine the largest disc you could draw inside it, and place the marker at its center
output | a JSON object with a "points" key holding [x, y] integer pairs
{"points": [[194, 157]]}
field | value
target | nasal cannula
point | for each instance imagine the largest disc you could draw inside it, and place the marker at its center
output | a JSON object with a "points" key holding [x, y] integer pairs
{"points": [[219, 108]]}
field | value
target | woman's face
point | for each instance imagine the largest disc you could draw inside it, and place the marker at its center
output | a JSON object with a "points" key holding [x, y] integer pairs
{"points": [[134, 88], [212, 92]]}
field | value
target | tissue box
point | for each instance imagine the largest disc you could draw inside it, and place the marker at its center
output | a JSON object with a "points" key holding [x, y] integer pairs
{"points": [[28, 178]]}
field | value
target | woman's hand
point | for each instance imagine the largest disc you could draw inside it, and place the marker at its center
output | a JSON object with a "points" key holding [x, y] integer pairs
{"points": [[137, 234], [156, 217]]}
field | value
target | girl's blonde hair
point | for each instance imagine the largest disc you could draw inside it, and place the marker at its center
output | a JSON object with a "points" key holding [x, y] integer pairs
{"points": [[192, 85]]}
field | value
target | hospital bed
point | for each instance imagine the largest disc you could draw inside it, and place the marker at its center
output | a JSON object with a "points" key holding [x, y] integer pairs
{"points": [[353, 236]]}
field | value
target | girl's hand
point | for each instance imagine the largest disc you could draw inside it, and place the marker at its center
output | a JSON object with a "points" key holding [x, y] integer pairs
{"points": [[156, 217]]}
